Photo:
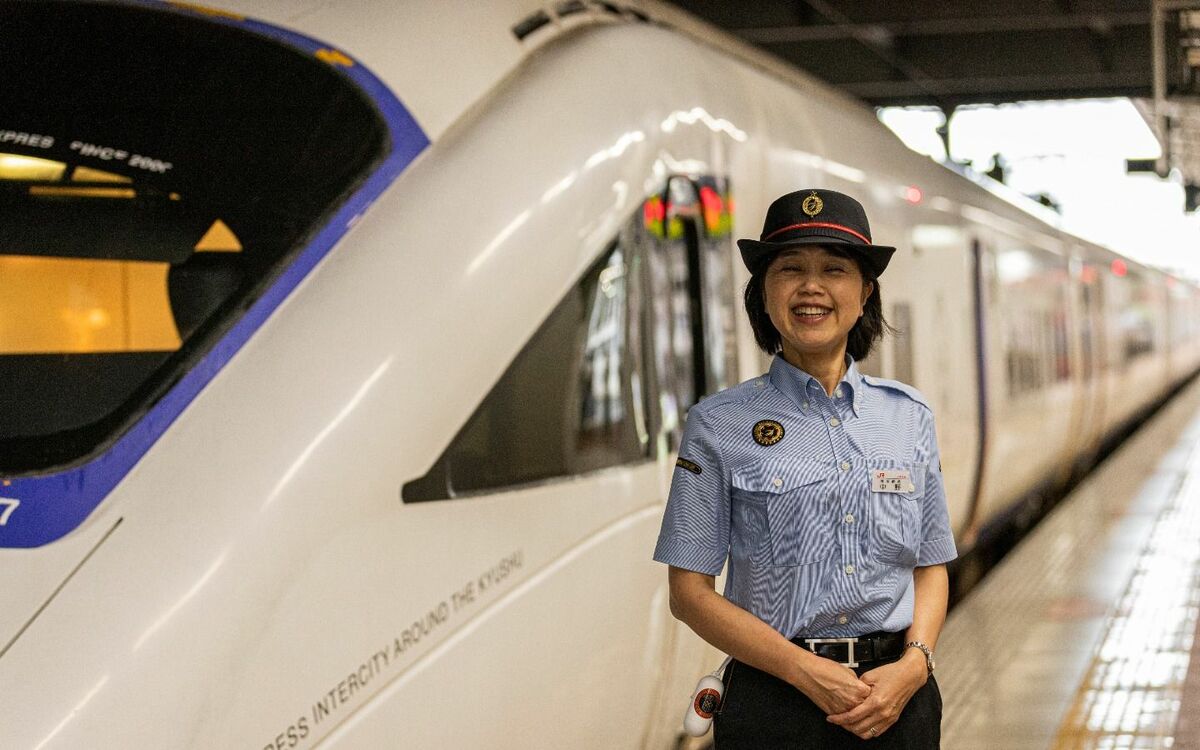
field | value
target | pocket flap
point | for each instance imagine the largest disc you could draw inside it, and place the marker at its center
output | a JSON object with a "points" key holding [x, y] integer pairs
{"points": [[778, 477]]}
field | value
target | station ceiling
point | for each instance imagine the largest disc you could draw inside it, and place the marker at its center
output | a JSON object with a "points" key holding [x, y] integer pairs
{"points": [[927, 52], [948, 53]]}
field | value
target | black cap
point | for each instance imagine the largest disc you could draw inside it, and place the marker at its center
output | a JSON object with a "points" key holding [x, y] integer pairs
{"points": [[816, 217]]}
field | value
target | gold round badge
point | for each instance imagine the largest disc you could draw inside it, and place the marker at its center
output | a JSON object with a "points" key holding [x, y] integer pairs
{"points": [[812, 205], [768, 432]]}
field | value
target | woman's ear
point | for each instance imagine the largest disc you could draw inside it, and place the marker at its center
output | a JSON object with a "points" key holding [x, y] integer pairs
{"points": [[868, 290]]}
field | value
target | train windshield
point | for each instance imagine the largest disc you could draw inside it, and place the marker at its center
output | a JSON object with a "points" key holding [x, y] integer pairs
{"points": [[157, 171]]}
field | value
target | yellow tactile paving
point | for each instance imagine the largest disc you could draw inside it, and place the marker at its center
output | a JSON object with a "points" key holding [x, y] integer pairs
{"points": [[1080, 638], [1130, 697]]}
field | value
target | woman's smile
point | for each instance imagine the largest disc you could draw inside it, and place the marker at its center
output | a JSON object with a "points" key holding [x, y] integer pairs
{"points": [[811, 314]]}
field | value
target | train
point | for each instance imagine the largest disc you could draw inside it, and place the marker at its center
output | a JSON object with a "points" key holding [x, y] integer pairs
{"points": [[345, 348]]}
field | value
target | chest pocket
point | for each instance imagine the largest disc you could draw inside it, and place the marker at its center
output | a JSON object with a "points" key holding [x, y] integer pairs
{"points": [[793, 501], [895, 530]]}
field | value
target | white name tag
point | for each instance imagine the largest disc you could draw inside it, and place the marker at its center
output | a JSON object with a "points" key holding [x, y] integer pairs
{"points": [[891, 480]]}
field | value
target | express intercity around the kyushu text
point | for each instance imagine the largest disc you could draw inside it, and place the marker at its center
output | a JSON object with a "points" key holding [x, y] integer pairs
{"points": [[369, 671]]}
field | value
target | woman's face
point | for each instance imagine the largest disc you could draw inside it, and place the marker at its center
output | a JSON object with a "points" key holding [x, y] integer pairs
{"points": [[814, 298]]}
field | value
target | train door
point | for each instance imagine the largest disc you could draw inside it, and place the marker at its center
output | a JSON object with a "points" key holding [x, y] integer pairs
{"points": [[690, 316], [691, 350], [929, 304], [1088, 419], [674, 312], [1029, 368]]}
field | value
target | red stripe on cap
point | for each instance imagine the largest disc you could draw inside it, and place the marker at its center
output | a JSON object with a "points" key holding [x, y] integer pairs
{"points": [[822, 224]]}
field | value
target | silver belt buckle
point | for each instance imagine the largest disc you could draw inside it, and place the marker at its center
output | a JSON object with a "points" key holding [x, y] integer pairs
{"points": [[850, 662]]}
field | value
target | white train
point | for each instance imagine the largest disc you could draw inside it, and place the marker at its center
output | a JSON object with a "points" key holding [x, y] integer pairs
{"points": [[343, 354]]}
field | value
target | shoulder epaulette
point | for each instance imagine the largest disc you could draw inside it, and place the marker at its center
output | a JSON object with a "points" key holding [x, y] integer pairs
{"points": [[738, 394], [896, 385]]}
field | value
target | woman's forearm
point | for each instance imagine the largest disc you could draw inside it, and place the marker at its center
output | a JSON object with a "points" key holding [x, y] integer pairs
{"points": [[931, 594], [735, 631]]}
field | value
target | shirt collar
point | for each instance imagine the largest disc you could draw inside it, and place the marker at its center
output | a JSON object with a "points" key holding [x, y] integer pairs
{"points": [[800, 387]]}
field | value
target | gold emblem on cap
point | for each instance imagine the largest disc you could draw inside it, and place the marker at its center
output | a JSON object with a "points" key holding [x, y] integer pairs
{"points": [[768, 432], [812, 205]]}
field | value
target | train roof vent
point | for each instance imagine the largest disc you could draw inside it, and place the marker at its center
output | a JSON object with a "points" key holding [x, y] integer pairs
{"points": [[551, 19]]}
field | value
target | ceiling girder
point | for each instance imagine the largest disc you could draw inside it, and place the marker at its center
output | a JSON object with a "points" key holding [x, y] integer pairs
{"points": [[1099, 22]]}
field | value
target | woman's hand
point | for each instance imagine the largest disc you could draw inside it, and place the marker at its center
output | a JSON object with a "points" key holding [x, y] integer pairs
{"points": [[834, 688], [892, 685]]}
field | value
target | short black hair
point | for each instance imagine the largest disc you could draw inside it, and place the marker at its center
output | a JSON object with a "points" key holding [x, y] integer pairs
{"points": [[866, 331]]}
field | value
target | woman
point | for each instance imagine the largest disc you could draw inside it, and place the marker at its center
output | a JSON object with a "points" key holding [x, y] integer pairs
{"points": [[823, 488]]}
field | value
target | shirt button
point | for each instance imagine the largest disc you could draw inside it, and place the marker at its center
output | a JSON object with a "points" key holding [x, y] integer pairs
{"points": [[838, 393], [849, 518], [834, 422], [844, 466], [807, 404], [842, 619], [849, 570], [777, 482]]}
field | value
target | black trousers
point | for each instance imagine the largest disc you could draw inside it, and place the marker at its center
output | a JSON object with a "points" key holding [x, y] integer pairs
{"points": [[762, 712]]}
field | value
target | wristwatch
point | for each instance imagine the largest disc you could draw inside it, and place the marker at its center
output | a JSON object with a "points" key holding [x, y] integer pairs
{"points": [[925, 650]]}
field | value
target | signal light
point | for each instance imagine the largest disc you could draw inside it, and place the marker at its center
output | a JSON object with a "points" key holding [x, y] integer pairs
{"points": [[712, 206], [1119, 268]]}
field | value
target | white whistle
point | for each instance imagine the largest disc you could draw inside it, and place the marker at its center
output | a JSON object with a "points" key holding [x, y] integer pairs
{"points": [[705, 702]]}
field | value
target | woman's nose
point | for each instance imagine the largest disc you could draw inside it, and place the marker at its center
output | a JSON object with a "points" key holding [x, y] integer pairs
{"points": [[810, 281]]}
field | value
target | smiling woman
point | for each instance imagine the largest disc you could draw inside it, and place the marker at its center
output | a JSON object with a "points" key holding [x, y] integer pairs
{"points": [[823, 489]]}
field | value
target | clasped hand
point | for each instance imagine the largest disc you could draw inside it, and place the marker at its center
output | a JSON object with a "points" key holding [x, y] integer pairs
{"points": [[866, 706]]}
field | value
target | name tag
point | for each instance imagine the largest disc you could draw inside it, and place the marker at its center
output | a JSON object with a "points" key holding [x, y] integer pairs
{"points": [[891, 480]]}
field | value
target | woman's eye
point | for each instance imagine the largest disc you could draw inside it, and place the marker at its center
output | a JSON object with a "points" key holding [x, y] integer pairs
{"points": [[835, 269]]}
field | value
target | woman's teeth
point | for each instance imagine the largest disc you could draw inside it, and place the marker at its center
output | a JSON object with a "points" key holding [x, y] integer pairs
{"points": [[811, 312]]}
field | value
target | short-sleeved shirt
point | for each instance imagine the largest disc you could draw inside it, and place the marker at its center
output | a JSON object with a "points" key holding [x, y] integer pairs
{"points": [[783, 480]]}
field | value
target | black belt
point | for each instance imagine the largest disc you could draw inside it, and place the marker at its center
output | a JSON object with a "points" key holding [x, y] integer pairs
{"points": [[853, 652]]}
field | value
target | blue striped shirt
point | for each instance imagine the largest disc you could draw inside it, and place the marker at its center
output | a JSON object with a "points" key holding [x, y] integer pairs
{"points": [[776, 476]]}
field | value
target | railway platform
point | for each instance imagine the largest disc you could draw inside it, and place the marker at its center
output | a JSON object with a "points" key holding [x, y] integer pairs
{"points": [[1085, 636]]}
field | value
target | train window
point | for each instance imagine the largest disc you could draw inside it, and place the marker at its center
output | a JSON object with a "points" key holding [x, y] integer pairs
{"points": [[1061, 340], [1088, 321], [1184, 323], [641, 336], [139, 216], [1136, 320], [1026, 351], [565, 405], [1032, 286]]}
